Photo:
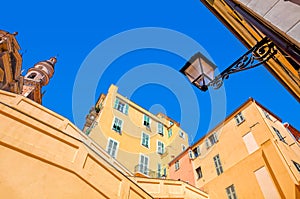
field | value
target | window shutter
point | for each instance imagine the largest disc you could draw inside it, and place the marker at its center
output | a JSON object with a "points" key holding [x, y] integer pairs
{"points": [[116, 103], [198, 150], [207, 143], [126, 109]]}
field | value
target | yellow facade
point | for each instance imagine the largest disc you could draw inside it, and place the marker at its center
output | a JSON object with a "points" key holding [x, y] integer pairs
{"points": [[250, 155], [129, 140]]}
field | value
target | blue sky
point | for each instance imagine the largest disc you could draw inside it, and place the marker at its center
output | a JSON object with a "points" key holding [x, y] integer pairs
{"points": [[72, 30]]}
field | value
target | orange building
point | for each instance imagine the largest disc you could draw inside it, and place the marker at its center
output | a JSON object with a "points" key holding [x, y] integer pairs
{"points": [[183, 161], [251, 154]]}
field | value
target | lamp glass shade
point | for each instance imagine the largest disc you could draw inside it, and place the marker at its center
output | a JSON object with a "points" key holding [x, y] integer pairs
{"points": [[199, 70]]}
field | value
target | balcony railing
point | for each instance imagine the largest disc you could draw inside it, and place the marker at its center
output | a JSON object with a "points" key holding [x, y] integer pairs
{"points": [[145, 171]]}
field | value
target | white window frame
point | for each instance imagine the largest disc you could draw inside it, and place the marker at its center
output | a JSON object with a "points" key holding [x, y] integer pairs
{"points": [[199, 174], [142, 167], [124, 108], [160, 128], [197, 150], [170, 134], [110, 152], [213, 137], [181, 134], [183, 147], [218, 164], [149, 122], [158, 170], [239, 118], [160, 147], [142, 139], [121, 127], [177, 165], [279, 135], [267, 114]]}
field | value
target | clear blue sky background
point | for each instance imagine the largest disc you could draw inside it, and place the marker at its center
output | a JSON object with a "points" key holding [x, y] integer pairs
{"points": [[72, 30]]}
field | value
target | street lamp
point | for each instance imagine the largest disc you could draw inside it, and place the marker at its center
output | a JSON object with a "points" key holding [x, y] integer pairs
{"points": [[200, 70]]}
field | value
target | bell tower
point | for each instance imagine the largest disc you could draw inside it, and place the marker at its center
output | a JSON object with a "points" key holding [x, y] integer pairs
{"points": [[37, 77]]}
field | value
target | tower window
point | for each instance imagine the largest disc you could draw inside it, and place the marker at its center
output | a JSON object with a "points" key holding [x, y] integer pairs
{"points": [[32, 75]]}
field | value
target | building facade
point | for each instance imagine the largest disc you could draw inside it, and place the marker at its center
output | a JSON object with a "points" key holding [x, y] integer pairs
{"points": [[251, 154], [143, 142]]}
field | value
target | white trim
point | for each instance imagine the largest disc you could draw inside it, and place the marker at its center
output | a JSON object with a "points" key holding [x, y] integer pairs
{"points": [[113, 122], [142, 140], [163, 149], [117, 147], [140, 157], [144, 120]]}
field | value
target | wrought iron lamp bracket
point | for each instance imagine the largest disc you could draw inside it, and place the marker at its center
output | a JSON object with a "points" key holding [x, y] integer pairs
{"points": [[257, 55]]}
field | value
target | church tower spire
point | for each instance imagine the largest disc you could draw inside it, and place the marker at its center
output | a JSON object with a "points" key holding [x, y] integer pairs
{"points": [[37, 77]]}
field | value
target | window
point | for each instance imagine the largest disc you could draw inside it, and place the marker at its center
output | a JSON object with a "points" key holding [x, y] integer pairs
{"points": [[165, 172], [177, 165], [117, 125], [170, 132], [112, 147], [158, 170], [231, 192], [267, 115], [297, 165], [160, 128], [199, 172], [191, 154], [196, 151], [143, 164], [218, 164], [171, 123], [181, 134], [211, 140], [183, 147], [146, 121], [278, 134], [160, 147], [121, 106], [145, 139], [239, 118]]}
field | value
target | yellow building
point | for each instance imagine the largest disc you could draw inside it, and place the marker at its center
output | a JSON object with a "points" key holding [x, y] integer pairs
{"points": [[143, 142], [251, 154]]}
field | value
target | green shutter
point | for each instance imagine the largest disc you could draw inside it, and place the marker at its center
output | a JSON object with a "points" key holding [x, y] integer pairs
{"points": [[116, 103], [126, 109]]}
